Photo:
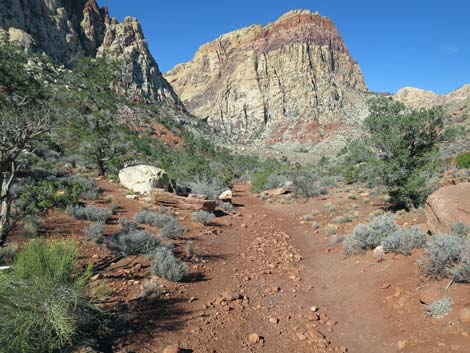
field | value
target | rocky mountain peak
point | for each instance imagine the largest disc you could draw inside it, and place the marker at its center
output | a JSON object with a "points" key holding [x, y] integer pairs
{"points": [[67, 29], [283, 81]]}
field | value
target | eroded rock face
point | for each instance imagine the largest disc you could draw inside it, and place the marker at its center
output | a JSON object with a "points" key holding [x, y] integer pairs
{"points": [[287, 80], [448, 205], [67, 29]]}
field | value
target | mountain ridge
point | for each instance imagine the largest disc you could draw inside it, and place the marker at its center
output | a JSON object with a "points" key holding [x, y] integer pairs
{"points": [[275, 82]]}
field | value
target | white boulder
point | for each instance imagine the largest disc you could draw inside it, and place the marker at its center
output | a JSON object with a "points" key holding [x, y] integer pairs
{"points": [[226, 196], [144, 178]]}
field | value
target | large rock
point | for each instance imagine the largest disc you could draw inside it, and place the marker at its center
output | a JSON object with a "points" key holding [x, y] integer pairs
{"points": [[144, 178], [293, 79], [448, 205]]}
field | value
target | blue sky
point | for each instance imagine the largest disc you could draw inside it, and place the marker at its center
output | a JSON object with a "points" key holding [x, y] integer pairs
{"points": [[398, 43]]}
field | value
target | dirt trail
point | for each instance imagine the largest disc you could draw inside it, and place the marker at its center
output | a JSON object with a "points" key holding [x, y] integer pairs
{"points": [[258, 274]]}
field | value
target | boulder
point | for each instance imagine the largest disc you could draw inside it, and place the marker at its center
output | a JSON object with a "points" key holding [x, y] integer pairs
{"points": [[226, 196], [448, 205], [144, 178], [464, 316]]}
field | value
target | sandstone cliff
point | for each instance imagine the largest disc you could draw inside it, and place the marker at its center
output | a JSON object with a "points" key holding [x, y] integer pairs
{"points": [[293, 79], [67, 29]]}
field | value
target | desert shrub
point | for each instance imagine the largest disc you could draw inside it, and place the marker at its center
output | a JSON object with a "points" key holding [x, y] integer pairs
{"points": [[42, 305], [89, 213], [32, 226], [133, 241], [127, 225], [150, 290], [404, 240], [172, 230], [210, 188], [460, 229], [226, 207], [442, 255], [330, 229], [7, 253], [463, 161], [369, 236], [439, 308], [316, 225], [329, 207], [36, 197], [154, 219], [95, 232], [203, 217], [275, 181], [461, 272], [166, 265], [347, 218], [114, 207], [305, 184]]}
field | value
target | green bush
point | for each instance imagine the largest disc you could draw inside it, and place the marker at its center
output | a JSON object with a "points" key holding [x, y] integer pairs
{"points": [[42, 306], [463, 161], [405, 158]]}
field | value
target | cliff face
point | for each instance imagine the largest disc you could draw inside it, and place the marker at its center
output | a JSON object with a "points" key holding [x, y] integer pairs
{"points": [[286, 81], [67, 29]]}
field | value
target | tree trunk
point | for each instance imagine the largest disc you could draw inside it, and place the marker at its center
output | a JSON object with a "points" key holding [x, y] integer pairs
{"points": [[5, 204]]}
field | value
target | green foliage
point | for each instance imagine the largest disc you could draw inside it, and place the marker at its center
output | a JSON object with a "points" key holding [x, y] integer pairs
{"points": [[463, 161], [261, 178], [403, 151], [42, 306], [36, 197], [172, 230]]}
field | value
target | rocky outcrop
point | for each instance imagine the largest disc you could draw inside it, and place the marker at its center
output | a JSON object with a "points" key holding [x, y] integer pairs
{"points": [[67, 29], [144, 178], [448, 205], [288, 80], [456, 103]]}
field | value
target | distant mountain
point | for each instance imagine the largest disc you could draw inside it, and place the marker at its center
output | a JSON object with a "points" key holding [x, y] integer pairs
{"points": [[292, 80], [456, 103], [67, 29]]}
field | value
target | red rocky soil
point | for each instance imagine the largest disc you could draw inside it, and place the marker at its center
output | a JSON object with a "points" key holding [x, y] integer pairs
{"points": [[265, 281]]}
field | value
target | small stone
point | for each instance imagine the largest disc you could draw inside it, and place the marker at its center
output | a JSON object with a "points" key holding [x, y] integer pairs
{"points": [[464, 316], [273, 320], [379, 253], [430, 295], [313, 316], [172, 349], [253, 339], [401, 345], [192, 299], [314, 309], [301, 336]]}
